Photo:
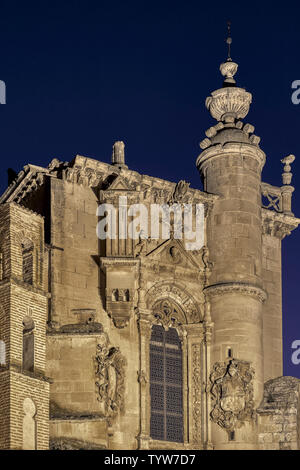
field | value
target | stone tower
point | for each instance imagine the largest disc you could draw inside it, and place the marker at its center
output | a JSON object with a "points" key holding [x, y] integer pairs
{"points": [[24, 389], [245, 307]]}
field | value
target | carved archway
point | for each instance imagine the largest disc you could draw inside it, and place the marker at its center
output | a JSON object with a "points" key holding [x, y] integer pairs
{"points": [[173, 291]]}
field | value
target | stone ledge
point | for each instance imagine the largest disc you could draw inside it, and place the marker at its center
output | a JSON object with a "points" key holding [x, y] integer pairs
{"points": [[236, 287], [76, 329], [65, 443], [18, 370]]}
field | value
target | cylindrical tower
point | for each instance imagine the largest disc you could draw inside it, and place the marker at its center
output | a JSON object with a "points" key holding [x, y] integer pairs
{"points": [[230, 166]]}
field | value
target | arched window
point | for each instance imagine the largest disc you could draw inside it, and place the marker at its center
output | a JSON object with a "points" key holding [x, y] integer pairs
{"points": [[2, 353], [166, 421], [27, 261], [28, 344], [29, 425]]}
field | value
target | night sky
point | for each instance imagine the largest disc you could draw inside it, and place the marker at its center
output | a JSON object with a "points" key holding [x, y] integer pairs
{"points": [[83, 74]]}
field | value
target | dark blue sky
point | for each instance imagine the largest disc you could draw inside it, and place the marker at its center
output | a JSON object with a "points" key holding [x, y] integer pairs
{"points": [[82, 74]]}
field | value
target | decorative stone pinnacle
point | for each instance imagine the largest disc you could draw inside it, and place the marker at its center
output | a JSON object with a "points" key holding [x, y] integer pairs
{"points": [[287, 175], [118, 155]]}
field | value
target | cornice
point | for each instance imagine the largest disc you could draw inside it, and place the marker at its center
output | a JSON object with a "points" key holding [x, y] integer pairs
{"points": [[235, 287], [278, 224], [230, 148]]}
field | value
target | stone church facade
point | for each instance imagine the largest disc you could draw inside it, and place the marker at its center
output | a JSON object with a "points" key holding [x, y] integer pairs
{"points": [[143, 344]]}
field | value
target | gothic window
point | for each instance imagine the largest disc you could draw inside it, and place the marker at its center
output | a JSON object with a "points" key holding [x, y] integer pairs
{"points": [[27, 261], [28, 344], [2, 353], [166, 421]]}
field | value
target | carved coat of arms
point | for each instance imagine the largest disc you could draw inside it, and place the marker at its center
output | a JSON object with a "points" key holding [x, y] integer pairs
{"points": [[232, 393]]}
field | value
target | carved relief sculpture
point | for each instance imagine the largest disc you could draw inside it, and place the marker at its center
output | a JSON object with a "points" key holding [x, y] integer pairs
{"points": [[180, 191], [232, 393], [110, 373]]}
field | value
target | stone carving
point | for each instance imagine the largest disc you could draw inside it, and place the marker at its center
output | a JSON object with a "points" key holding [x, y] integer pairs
{"points": [[277, 225], [273, 196], [287, 175], [196, 361], [167, 314], [208, 265], [142, 377], [140, 248], [110, 373], [55, 164], [180, 191], [232, 393], [192, 311], [120, 295], [83, 176], [174, 255], [228, 104], [228, 69], [119, 306]]}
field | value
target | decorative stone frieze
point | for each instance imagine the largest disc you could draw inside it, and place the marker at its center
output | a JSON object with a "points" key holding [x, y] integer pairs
{"points": [[235, 287], [196, 393]]}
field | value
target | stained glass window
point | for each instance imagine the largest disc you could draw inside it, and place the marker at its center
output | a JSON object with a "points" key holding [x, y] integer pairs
{"points": [[166, 385]]}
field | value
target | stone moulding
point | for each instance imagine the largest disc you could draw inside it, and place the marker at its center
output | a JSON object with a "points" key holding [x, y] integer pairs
{"points": [[197, 392], [235, 287], [66, 443], [75, 329], [230, 148]]}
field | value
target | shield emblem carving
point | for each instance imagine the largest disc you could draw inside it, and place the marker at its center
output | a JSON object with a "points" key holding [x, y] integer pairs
{"points": [[232, 393]]}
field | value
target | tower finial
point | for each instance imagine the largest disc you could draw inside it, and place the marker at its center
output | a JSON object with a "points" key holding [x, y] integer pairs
{"points": [[229, 40], [229, 68]]}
